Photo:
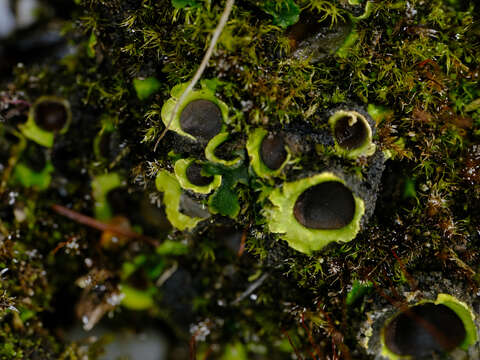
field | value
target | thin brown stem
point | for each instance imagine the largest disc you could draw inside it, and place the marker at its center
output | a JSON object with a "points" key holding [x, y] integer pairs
{"points": [[99, 225]]}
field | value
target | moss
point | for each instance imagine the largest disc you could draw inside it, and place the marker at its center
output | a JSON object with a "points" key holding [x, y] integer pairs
{"points": [[416, 61]]}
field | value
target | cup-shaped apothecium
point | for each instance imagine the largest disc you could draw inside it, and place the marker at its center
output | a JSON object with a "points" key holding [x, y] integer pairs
{"points": [[329, 205], [202, 119], [194, 175], [268, 152], [49, 115], [190, 176], [217, 152], [312, 212], [424, 329], [272, 151], [429, 328], [352, 134]]}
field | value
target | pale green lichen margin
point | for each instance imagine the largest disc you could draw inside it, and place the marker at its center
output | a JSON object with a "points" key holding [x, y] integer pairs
{"points": [[135, 299], [213, 144], [101, 185], [344, 50], [280, 217], [459, 307], [369, 7], [254, 143], [107, 127], [168, 184], [205, 93], [181, 174], [465, 314], [366, 149], [33, 132], [29, 178]]}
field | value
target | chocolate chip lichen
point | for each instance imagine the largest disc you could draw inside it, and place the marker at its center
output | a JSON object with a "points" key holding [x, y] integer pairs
{"points": [[50, 115], [352, 133], [312, 212], [329, 205], [272, 151], [255, 179], [424, 330], [268, 152], [429, 329], [195, 176], [190, 175], [201, 119]]}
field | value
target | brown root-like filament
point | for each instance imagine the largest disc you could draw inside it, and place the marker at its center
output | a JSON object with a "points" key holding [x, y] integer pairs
{"points": [[99, 225]]}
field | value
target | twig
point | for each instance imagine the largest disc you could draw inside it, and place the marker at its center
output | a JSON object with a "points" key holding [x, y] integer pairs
{"points": [[241, 249], [292, 345], [250, 289], [201, 68], [87, 220]]}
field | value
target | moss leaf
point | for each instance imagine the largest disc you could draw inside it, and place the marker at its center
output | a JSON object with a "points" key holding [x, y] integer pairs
{"points": [[146, 87], [284, 12], [170, 247], [180, 4]]}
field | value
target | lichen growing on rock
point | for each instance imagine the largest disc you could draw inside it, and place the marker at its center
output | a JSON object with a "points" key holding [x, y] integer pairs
{"points": [[321, 176]]}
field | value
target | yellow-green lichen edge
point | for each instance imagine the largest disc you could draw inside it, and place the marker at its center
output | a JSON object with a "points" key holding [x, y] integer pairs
{"points": [[344, 50], [254, 142], [460, 308], [205, 93], [101, 185], [281, 219], [367, 148], [24, 175], [34, 132], [181, 174], [213, 144], [107, 127], [169, 185], [135, 299], [369, 7]]}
